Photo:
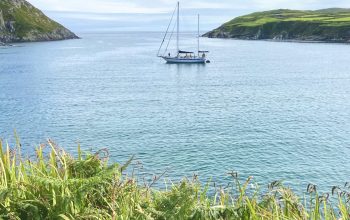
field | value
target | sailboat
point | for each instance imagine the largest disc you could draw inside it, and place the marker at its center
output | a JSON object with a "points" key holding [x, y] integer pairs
{"points": [[182, 56]]}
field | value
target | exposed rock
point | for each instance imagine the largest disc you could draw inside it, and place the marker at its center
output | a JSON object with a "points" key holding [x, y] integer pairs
{"points": [[327, 25], [2, 22], [22, 22], [10, 26]]}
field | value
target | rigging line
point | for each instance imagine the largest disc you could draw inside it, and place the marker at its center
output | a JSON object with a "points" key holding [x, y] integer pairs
{"points": [[171, 20], [172, 33]]}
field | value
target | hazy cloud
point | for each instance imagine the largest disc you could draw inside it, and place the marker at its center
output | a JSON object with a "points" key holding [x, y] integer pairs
{"points": [[161, 6], [154, 15]]}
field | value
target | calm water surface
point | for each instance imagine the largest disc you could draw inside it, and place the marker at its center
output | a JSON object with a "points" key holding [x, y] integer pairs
{"points": [[270, 110]]}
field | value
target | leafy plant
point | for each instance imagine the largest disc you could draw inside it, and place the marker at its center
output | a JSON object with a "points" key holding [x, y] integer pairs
{"points": [[56, 185]]}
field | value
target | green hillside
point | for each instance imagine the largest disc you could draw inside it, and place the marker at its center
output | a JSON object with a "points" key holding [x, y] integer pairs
{"points": [[20, 21], [330, 25]]}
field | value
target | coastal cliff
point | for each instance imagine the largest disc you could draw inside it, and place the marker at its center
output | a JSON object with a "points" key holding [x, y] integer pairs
{"points": [[327, 25], [22, 22]]}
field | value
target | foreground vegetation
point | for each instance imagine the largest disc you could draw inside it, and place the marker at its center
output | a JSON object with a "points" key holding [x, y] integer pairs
{"points": [[53, 184], [332, 25]]}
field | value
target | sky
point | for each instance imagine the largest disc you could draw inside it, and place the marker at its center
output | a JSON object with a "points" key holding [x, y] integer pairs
{"points": [[153, 15]]}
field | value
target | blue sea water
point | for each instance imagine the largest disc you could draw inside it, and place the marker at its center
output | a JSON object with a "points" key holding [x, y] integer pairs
{"points": [[275, 111]]}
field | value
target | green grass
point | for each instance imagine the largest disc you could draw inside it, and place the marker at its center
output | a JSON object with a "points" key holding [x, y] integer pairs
{"points": [[27, 19], [261, 18], [53, 184], [24, 23], [332, 25]]}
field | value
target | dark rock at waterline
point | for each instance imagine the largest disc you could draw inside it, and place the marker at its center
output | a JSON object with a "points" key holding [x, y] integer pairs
{"points": [[327, 25], [22, 22]]}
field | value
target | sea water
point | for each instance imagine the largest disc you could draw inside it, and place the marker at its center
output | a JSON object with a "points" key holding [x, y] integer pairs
{"points": [[271, 110]]}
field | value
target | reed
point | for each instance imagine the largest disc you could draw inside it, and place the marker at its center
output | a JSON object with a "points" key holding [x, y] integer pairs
{"points": [[53, 184]]}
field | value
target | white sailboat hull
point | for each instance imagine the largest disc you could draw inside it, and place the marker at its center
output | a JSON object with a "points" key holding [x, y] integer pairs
{"points": [[184, 60], [181, 56]]}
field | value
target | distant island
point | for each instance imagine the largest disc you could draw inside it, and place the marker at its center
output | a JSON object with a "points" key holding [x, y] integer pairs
{"points": [[22, 22], [326, 25]]}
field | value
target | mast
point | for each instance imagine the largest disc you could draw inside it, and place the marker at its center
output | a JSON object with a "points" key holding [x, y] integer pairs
{"points": [[178, 27], [198, 38]]}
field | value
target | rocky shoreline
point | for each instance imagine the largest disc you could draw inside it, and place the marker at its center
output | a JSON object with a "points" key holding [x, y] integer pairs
{"points": [[22, 22], [281, 39], [326, 26], [59, 34], [287, 41]]}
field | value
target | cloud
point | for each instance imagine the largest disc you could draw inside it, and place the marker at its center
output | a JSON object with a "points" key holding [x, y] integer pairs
{"points": [[162, 6], [153, 15], [119, 6], [97, 6], [300, 4]]}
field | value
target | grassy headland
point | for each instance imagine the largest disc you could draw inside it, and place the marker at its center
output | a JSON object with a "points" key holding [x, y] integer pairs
{"points": [[56, 185], [330, 25], [20, 21]]}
